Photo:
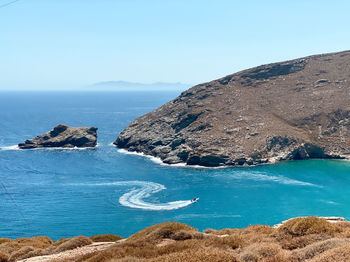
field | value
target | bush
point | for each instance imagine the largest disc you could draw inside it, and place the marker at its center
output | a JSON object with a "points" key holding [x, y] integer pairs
{"points": [[4, 240], [341, 253], [259, 251], [36, 242], [60, 241], [291, 243], [198, 255], [105, 238], [160, 231], [20, 253], [4, 257], [302, 226], [233, 241], [314, 249], [73, 243]]}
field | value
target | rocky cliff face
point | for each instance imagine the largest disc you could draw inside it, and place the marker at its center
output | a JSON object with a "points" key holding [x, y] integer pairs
{"points": [[297, 109], [65, 137]]}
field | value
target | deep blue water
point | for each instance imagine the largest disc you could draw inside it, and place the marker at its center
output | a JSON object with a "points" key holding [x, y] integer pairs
{"points": [[62, 193]]}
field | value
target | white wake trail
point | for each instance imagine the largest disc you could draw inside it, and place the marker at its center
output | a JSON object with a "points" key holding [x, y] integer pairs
{"points": [[141, 190]]}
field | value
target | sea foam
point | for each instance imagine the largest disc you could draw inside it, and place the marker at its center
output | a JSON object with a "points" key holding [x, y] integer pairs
{"points": [[260, 176], [159, 161], [16, 147]]}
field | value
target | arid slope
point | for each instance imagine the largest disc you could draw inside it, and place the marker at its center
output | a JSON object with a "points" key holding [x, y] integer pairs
{"points": [[297, 109]]}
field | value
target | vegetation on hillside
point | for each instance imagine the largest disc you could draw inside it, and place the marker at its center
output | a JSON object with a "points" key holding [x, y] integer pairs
{"points": [[299, 239]]}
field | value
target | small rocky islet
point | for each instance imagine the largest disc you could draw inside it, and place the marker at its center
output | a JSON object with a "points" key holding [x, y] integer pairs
{"points": [[291, 110], [63, 136]]}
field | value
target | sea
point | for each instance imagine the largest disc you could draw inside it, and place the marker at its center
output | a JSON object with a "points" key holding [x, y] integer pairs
{"points": [[67, 192]]}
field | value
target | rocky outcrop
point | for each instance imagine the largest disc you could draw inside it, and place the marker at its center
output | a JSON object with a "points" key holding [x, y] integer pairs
{"points": [[64, 137], [297, 109]]}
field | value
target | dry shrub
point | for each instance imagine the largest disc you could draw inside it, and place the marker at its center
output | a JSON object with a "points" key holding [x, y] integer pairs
{"points": [[35, 253], [143, 249], [127, 259], [282, 257], [160, 231], [314, 249], [20, 253], [291, 243], [35, 242], [105, 238], [209, 231], [341, 253], [4, 240], [302, 226], [345, 229], [4, 257], [198, 255], [182, 235], [224, 243], [260, 229], [259, 251], [233, 241], [60, 241], [185, 235], [225, 231], [73, 243], [140, 249]]}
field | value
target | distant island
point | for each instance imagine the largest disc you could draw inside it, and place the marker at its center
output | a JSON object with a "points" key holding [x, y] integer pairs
{"points": [[132, 86], [291, 110]]}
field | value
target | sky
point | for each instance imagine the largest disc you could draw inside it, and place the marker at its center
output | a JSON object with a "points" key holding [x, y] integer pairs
{"points": [[66, 44]]}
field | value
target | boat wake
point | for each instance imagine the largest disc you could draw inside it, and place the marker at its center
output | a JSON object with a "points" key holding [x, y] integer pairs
{"points": [[140, 190]]}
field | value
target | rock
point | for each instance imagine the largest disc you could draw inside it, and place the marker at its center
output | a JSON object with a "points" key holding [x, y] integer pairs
{"points": [[275, 114], [64, 137]]}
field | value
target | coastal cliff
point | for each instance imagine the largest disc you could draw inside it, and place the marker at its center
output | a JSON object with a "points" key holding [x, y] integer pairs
{"points": [[291, 110], [63, 136]]}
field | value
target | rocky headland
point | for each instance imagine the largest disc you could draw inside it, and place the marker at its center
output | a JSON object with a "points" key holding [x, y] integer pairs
{"points": [[291, 110], [63, 136]]}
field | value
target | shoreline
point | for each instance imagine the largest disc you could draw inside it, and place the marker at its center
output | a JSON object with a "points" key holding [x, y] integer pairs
{"points": [[270, 161]]}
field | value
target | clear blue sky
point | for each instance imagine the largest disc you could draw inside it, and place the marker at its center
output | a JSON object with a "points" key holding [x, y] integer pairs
{"points": [[53, 44]]}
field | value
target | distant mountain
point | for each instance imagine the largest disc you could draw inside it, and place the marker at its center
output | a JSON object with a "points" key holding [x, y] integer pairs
{"points": [[131, 86]]}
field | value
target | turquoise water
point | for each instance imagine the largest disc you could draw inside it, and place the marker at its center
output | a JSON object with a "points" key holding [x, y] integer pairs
{"points": [[62, 193]]}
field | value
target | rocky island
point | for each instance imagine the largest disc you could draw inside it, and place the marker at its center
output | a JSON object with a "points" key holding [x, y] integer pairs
{"points": [[291, 110], [63, 136]]}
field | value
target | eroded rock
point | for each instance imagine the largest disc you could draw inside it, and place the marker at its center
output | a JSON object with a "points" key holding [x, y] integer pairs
{"points": [[64, 136], [269, 118]]}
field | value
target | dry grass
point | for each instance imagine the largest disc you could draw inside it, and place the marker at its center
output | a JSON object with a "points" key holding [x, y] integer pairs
{"points": [[301, 239], [199, 255], [308, 225], [314, 249], [36, 242], [60, 241], [161, 231], [4, 257], [19, 254], [291, 243], [105, 238], [4, 240], [75, 242], [261, 251], [341, 253]]}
